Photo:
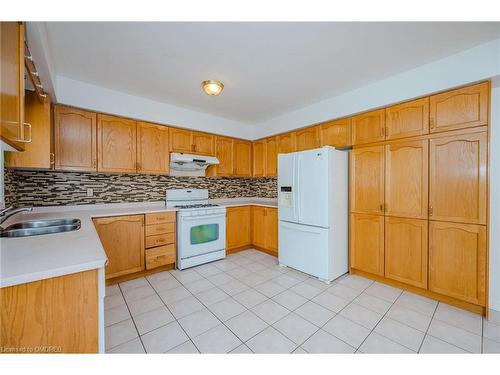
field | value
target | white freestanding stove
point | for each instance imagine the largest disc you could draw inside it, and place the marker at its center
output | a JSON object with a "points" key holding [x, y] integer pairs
{"points": [[201, 227]]}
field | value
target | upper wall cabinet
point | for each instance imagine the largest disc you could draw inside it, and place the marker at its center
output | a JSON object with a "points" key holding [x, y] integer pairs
{"points": [[286, 143], [307, 139], [75, 139], [117, 140], [203, 143], [259, 158], [407, 119], [336, 133], [461, 108], [37, 154], [224, 151], [180, 140], [13, 129], [271, 156], [457, 178], [367, 180], [188, 141], [152, 148], [242, 158], [368, 127]]}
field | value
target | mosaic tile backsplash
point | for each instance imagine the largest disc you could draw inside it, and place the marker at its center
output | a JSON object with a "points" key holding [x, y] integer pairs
{"points": [[50, 188]]}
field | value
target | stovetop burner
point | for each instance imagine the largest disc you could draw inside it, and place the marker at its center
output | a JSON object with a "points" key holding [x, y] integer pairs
{"points": [[182, 206]]}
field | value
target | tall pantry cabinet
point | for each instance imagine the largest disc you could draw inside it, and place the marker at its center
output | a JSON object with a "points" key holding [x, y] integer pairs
{"points": [[418, 196]]}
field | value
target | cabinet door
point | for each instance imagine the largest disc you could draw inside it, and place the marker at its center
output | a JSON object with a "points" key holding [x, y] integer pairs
{"points": [[367, 180], [271, 230], [152, 148], [203, 143], [457, 186], [224, 151], [336, 133], [271, 164], [117, 144], [286, 143], [407, 119], [238, 227], [461, 108], [122, 238], [12, 127], [368, 127], [259, 226], [38, 153], [181, 140], [367, 243], [406, 250], [457, 261], [259, 158], [75, 139], [243, 159], [406, 179], [307, 139]]}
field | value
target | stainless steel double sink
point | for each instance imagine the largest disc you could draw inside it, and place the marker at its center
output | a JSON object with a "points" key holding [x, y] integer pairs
{"points": [[39, 227]]}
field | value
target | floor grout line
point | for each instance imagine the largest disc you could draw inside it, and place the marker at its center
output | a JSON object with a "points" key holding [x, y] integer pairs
{"points": [[428, 326]]}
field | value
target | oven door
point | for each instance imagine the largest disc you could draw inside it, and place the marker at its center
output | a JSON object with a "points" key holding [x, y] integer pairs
{"points": [[200, 235]]}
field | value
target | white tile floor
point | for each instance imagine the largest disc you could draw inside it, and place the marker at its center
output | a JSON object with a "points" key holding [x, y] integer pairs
{"points": [[247, 303]]}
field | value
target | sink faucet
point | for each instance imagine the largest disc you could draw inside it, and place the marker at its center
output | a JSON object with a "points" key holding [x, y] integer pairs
{"points": [[9, 211]]}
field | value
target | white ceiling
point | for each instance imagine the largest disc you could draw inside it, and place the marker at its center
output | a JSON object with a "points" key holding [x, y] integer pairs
{"points": [[267, 68]]}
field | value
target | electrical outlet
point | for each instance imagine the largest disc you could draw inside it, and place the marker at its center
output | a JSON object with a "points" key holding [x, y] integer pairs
{"points": [[90, 192]]}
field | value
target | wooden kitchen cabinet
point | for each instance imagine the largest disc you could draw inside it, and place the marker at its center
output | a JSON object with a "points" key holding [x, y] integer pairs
{"points": [[336, 133], [203, 144], [75, 139], [152, 148], [457, 179], [461, 108], [457, 261], [407, 119], [271, 164], [367, 243], [265, 229], [117, 144], [307, 139], [13, 129], [406, 179], [180, 140], [242, 158], [122, 238], [60, 313], [37, 154], [224, 151], [259, 158], [286, 143], [406, 250], [368, 127], [238, 227], [367, 180]]}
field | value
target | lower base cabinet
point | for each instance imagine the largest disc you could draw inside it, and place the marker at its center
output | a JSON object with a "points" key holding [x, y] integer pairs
{"points": [[238, 227], [457, 261], [367, 243], [57, 315], [122, 238], [406, 250]]}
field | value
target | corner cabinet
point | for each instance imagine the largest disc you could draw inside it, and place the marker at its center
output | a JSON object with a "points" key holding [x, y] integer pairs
{"points": [[122, 238], [117, 142]]}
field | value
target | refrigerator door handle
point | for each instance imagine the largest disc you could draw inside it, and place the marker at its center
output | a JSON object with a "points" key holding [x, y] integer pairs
{"points": [[297, 185], [294, 191]]}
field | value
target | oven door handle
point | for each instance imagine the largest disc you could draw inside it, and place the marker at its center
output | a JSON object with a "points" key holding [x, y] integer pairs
{"points": [[193, 218]]}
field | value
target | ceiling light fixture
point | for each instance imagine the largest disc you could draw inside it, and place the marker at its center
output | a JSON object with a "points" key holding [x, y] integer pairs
{"points": [[212, 87]]}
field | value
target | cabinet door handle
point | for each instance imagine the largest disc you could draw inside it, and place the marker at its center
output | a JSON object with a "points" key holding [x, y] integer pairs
{"points": [[381, 207], [431, 121], [94, 163], [24, 140], [52, 158], [431, 210]]}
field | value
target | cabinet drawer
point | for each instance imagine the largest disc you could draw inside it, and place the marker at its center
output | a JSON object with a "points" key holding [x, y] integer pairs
{"points": [[160, 217], [152, 230], [160, 256], [160, 239]]}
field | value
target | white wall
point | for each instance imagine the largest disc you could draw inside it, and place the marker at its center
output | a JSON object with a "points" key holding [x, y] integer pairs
{"points": [[479, 63], [495, 197], [100, 99]]}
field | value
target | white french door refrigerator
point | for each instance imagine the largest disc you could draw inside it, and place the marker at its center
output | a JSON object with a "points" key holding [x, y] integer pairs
{"points": [[312, 211]]}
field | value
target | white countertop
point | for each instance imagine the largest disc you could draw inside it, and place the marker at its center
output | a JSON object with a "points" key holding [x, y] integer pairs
{"points": [[35, 258]]}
